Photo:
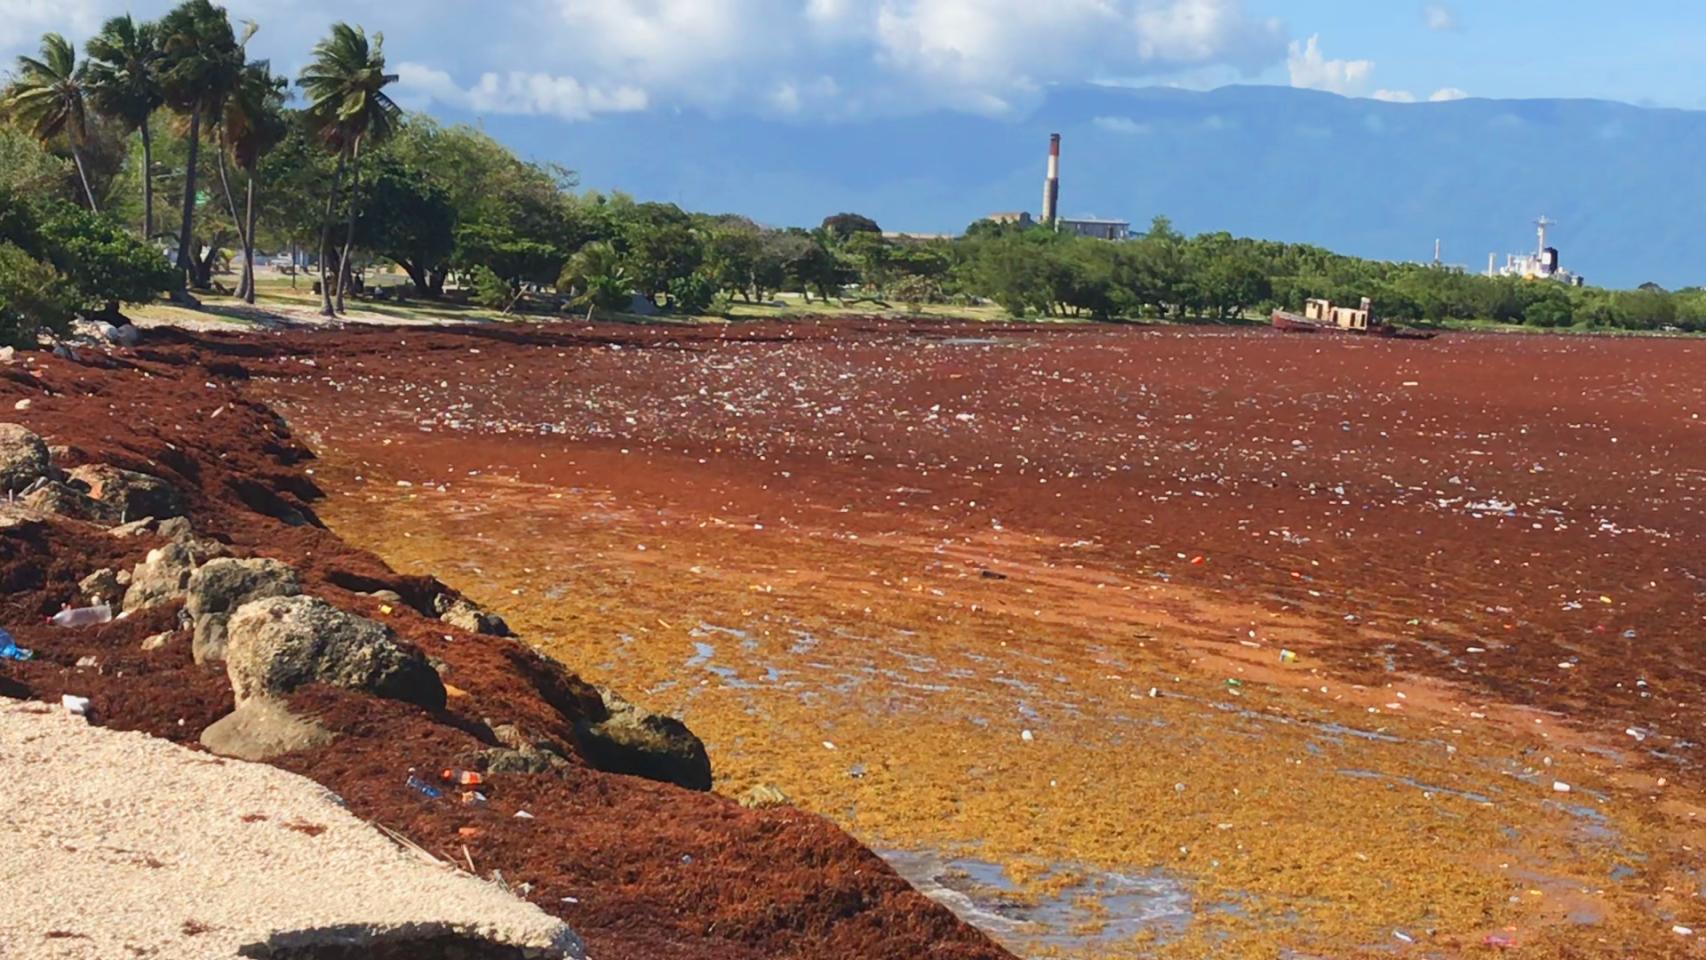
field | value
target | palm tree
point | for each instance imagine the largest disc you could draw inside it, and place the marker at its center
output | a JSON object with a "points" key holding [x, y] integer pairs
{"points": [[124, 83], [253, 124], [597, 277], [49, 96], [201, 60], [347, 107]]}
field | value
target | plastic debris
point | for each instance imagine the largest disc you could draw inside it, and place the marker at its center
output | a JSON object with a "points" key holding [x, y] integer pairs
{"points": [[1682, 931], [9, 649], [1499, 941], [425, 789], [1401, 935], [1027, 736], [523, 815], [1559, 786], [473, 798], [1287, 656], [76, 706], [464, 778], [82, 617]]}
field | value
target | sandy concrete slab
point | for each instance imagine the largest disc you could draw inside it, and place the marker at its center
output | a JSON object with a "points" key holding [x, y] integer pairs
{"points": [[124, 845]]}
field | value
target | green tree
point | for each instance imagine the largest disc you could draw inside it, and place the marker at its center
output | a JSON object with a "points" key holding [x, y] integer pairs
{"points": [[49, 98], [660, 245], [32, 297], [124, 83], [347, 107], [408, 218], [103, 264], [201, 60], [842, 226]]}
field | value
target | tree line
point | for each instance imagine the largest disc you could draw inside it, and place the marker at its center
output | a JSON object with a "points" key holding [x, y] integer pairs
{"points": [[337, 174]]}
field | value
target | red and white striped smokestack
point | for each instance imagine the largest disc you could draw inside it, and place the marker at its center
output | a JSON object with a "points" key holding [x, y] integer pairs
{"points": [[1051, 188]]}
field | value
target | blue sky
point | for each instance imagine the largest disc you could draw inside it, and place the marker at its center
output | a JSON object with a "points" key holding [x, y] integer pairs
{"points": [[573, 60]]}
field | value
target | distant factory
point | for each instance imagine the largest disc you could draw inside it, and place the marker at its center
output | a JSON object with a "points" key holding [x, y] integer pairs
{"points": [[1543, 264], [1080, 226]]}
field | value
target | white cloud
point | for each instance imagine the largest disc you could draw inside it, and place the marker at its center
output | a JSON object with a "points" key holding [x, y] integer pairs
{"points": [[1447, 94], [1394, 96], [22, 22], [1311, 70], [518, 92], [1439, 17], [577, 58], [1124, 126]]}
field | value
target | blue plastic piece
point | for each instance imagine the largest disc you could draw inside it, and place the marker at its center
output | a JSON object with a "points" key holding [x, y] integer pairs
{"points": [[9, 649]]}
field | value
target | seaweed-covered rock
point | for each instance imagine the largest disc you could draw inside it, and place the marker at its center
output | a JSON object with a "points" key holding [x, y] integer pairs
{"points": [[642, 744], [279, 645]]}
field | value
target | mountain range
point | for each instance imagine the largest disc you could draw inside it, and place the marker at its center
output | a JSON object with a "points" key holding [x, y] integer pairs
{"points": [[1363, 177]]}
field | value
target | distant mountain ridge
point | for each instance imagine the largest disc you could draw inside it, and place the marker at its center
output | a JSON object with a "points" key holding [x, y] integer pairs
{"points": [[1359, 176]]}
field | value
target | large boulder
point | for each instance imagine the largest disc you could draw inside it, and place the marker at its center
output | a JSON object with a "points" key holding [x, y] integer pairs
{"points": [[642, 744], [23, 458], [281, 644], [100, 587], [262, 729], [218, 587], [63, 500], [129, 495]]}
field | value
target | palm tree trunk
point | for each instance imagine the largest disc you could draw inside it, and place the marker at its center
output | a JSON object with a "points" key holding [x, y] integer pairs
{"points": [[147, 183], [77, 159], [249, 248], [349, 233], [186, 260], [230, 201], [326, 241]]}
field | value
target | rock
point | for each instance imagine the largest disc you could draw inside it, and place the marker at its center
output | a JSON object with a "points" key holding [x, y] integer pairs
{"points": [[23, 458], [386, 596], [51, 496], [156, 641], [764, 796], [176, 528], [128, 494], [161, 578], [465, 614], [219, 587], [643, 744], [523, 754], [504, 760], [135, 528], [125, 336], [99, 587], [278, 645], [261, 729]]}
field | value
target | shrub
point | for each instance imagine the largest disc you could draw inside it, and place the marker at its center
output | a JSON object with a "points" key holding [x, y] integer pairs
{"points": [[693, 293], [105, 263], [490, 290], [32, 297]]}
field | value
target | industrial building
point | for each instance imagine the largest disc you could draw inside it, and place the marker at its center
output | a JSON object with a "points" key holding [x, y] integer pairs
{"points": [[1078, 226], [1543, 264]]}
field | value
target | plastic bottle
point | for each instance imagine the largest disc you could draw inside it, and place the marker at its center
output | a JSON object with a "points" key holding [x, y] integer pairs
{"points": [[425, 789], [83, 617], [465, 778]]}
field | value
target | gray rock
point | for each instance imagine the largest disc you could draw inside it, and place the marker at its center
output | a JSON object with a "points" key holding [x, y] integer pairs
{"points": [[156, 641], [643, 744], [521, 753], [278, 645], [176, 528], [59, 499], [465, 614], [99, 587], [130, 495], [161, 578], [219, 587], [262, 729], [135, 528], [23, 458]]}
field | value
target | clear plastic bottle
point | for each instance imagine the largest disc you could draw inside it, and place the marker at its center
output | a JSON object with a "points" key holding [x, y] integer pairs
{"points": [[83, 617]]}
